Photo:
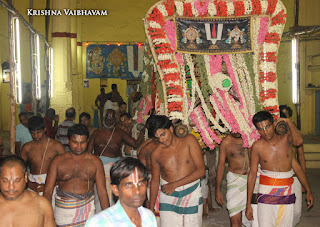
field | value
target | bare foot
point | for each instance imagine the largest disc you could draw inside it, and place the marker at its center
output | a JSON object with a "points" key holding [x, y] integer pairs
{"points": [[205, 216]]}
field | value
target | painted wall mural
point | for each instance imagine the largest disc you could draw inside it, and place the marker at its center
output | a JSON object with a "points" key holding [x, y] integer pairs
{"points": [[113, 61]]}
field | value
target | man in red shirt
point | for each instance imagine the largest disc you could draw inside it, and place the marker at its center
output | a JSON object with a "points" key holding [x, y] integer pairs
{"points": [[51, 116]]}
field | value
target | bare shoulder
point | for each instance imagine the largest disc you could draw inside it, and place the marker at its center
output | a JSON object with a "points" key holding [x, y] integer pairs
{"points": [[157, 151], [95, 159], [45, 205], [257, 145], [190, 140]]}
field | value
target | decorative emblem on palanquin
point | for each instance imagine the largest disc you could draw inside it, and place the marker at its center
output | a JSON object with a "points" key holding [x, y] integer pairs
{"points": [[192, 35]]}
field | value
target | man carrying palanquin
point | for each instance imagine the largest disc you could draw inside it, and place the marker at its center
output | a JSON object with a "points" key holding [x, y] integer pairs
{"points": [[273, 152], [177, 166], [232, 151]]}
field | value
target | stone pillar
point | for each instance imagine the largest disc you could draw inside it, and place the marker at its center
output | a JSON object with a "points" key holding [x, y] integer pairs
{"points": [[62, 71]]}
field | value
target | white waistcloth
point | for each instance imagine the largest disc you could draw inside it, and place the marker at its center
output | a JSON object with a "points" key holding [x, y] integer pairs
{"points": [[183, 207], [298, 204], [39, 179], [236, 193]]}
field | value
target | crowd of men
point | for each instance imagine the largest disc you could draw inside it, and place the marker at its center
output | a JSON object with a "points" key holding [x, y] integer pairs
{"points": [[77, 175]]}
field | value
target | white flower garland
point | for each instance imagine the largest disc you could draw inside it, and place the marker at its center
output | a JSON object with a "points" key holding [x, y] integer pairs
{"points": [[185, 120], [212, 11], [247, 7], [264, 6], [196, 85], [233, 62], [179, 8], [163, 10], [230, 8], [154, 24]]}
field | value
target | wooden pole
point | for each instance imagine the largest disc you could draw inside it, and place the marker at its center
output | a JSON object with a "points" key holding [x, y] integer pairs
{"points": [[12, 84]]}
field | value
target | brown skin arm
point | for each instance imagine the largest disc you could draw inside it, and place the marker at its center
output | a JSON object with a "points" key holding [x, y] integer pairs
{"points": [[17, 148], [91, 142], [303, 180], [199, 170], [294, 136], [101, 185], [155, 180], [59, 147], [24, 152], [301, 158], [47, 211], [220, 172], [254, 160], [51, 179], [132, 142]]}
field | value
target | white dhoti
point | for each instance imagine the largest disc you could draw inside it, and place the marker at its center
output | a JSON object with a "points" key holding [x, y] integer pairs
{"points": [[107, 164], [41, 179], [275, 199], [298, 204], [73, 212], [183, 207], [237, 195]]}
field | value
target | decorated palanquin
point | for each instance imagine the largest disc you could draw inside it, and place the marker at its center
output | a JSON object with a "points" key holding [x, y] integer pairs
{"points": [[212, 64]]}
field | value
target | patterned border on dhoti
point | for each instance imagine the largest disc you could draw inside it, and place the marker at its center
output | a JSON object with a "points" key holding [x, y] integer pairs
{"points": [[183, 207], [73, 212], [236, 193], [276, 187], [184, 200]]}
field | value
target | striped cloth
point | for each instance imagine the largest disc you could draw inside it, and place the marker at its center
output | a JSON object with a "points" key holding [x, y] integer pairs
{"points": [[236, 193], [183, 207], [276, 198], [62, 133], [73, 212]]}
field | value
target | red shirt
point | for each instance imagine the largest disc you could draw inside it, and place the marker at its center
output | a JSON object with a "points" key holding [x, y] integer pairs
{"points": [[50, 131]]}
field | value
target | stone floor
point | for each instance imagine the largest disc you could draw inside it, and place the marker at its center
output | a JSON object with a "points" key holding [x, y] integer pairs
{"points": [[308, 218]]}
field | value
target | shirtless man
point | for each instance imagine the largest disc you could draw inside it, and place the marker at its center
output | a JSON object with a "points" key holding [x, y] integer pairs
{"points": [[232, 150], [273, 152], [18, 206], [100, 101], [177, 165], [39, 153], [105, 143], [85, 119], [75, 173]]}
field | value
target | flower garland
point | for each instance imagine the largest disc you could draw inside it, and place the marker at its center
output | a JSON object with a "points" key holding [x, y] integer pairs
{"points": [[207, 135], [267, 35], [202, 8], [198, 90]]}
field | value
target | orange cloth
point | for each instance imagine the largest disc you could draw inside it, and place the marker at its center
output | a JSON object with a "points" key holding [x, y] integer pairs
{"points": [[276, 182]]}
